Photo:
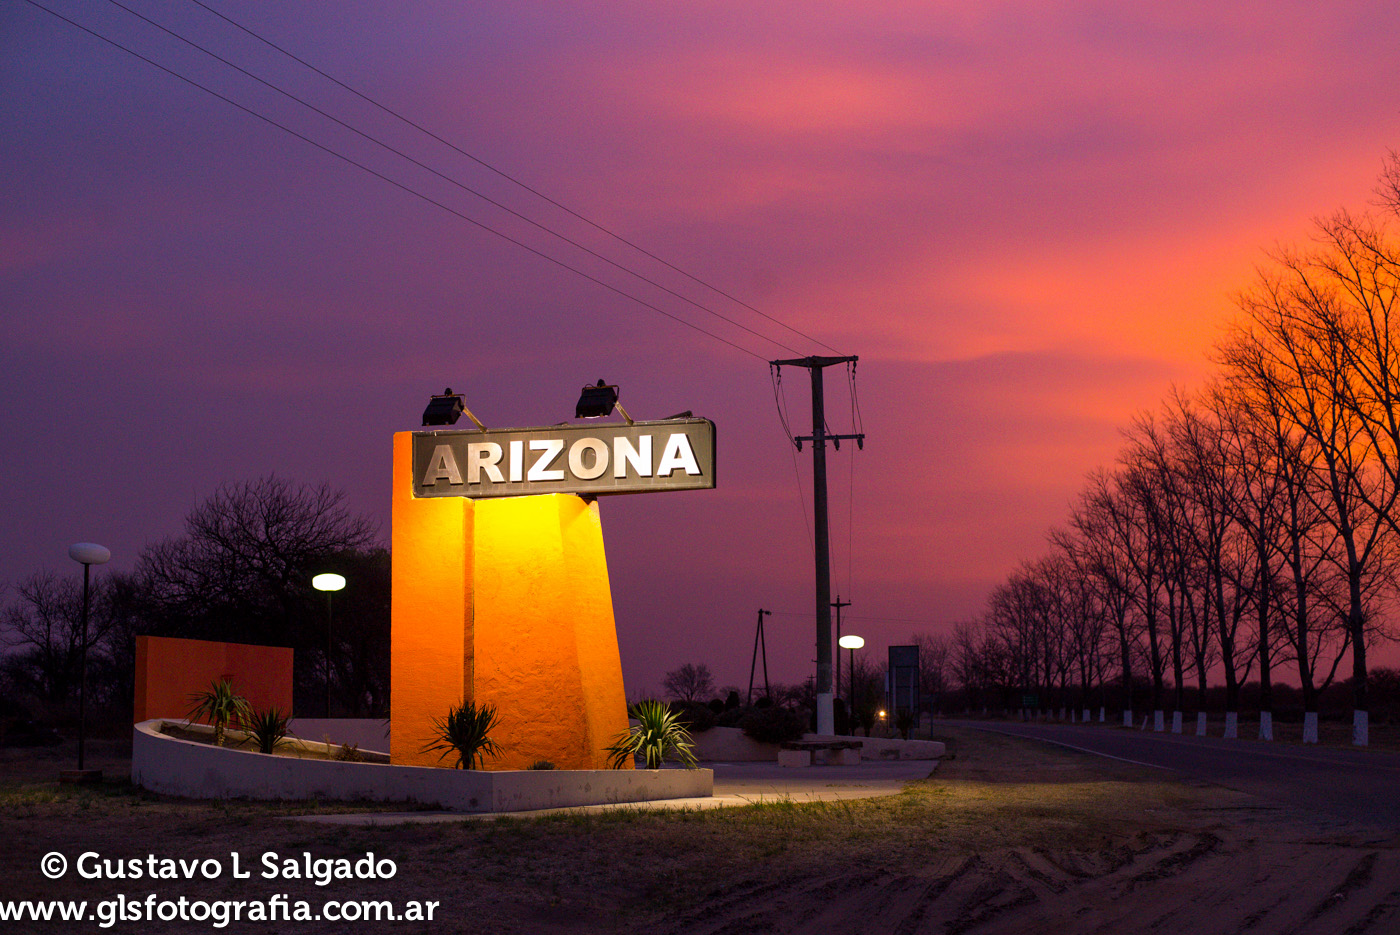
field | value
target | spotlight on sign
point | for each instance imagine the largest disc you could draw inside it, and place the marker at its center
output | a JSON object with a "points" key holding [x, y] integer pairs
{"points": [[444, 410], [598, 401], [447, 409]]}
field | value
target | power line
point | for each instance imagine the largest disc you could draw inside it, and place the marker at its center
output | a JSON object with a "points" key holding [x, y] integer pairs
{"points": [[515, 181], [924, 621], [450, 180], [394, 182], [775, 376]]}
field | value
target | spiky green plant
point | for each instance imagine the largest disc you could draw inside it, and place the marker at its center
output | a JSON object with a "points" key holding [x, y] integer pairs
{"points": [[466, 731], [267, 729], [219, 704], [657, 736]]}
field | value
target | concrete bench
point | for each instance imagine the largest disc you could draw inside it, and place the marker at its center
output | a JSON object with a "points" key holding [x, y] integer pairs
{"points": [[834, 752]]}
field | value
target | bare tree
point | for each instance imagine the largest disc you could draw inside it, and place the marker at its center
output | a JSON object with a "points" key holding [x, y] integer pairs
{"points": [[934, 653], [689, 683], [242, 570], [1299, 352], [1100, 547], [43, 624]]}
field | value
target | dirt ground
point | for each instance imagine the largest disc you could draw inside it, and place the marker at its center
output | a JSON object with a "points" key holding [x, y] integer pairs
{"points": [[1006, 837]]}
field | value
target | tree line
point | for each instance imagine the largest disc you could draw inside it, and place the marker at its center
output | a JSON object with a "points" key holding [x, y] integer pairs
{"points": [[1249, 527], [241, 572]]}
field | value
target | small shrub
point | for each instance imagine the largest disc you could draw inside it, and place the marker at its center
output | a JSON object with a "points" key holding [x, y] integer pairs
{"points": [[466, 731], [773, 724], [220, 704], [267, 729], [542, 764], [716, 706], [658, 736], [904, 723], [349, 753]]}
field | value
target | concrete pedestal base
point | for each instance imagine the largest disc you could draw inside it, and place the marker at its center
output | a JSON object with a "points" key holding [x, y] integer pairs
{"points": [[795, 757], [80, 775]]}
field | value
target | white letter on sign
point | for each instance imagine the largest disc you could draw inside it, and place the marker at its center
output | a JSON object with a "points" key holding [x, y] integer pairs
{"points": [[484, 455], [442, 466], [677, 454], [600, 458], [540, 469], [517, 461], [639, 458]]}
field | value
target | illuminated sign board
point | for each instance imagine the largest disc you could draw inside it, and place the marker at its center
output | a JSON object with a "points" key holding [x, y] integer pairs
{"points": [[593, 460]]}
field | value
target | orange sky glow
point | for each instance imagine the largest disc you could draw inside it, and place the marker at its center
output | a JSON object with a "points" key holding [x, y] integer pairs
{"points": [[1029, 220]]}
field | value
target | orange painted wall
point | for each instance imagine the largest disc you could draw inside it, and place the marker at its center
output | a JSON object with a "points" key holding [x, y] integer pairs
{"points": [[506, 602], [169, 670]]}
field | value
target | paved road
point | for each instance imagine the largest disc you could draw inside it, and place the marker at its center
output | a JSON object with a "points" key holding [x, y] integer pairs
{"points": [[1361, 786]]}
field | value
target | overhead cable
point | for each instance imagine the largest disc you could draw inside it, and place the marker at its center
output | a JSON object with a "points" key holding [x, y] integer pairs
{"points": [[403, 187], [446, 178]]}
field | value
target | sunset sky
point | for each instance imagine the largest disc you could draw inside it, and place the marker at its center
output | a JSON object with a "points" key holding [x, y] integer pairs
{"points": [[1028, 220]]}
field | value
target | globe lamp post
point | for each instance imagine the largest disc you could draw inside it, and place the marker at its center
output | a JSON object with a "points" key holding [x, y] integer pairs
{"points": [[330, 583], [852, 642], [86, 554]]}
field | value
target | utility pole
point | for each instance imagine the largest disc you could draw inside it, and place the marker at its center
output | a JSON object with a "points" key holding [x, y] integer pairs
{"points": [[759, 640], [826, 722], [838, 604]]}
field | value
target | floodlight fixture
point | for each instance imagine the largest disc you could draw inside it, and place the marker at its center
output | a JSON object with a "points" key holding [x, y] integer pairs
{"points": [[851, 641], [328, 582], [446, 409], [598, 401]]}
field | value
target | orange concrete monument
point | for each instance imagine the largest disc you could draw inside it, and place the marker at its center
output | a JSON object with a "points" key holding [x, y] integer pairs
{"points": [[502, 601]]}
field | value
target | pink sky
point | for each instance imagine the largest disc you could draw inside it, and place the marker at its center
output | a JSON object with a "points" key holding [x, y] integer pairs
{"points": [[1028, 220]]}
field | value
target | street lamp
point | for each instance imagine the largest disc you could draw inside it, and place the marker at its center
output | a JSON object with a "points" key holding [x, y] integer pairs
{"points": [[86, 554], [330, 583], [852, 642]]}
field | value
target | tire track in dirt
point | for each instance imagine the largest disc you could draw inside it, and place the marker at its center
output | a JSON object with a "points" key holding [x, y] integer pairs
{"points": [[1178, 862], [1361, 874]]}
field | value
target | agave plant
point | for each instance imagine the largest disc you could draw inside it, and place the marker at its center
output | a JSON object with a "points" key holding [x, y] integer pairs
{"points": [[658, 735], [267, 729], [218, 704], [466, 731]]}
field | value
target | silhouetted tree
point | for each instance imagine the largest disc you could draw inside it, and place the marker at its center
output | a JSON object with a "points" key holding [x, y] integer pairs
{"points": [[689, 683]]}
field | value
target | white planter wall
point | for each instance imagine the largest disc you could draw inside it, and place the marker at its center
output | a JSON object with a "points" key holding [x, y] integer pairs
{"points": [[168, 765]]}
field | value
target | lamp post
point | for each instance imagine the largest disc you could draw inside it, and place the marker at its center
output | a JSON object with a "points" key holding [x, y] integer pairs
{"points": [[330, 583], [86, 554], [852, 642]]}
